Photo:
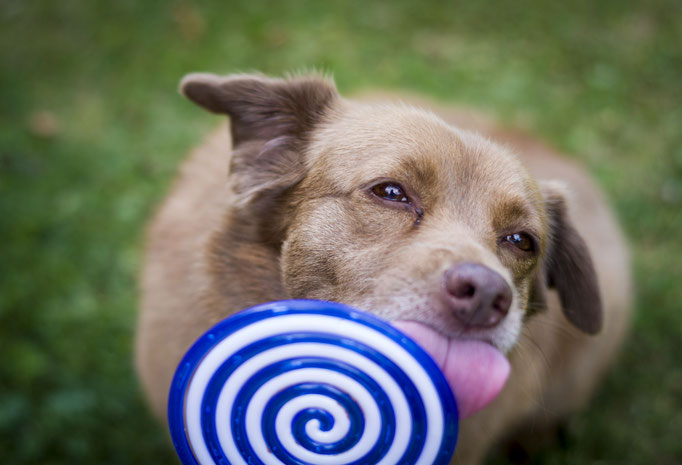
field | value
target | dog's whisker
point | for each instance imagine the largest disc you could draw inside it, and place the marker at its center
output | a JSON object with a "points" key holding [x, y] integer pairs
{"points": [[532, 390], [558, 327]]}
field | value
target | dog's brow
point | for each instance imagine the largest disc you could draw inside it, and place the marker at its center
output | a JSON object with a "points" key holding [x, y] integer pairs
{"points": [[423, 173], [514, 212]]}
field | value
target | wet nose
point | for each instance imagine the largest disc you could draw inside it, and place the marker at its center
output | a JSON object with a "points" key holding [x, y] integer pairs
{"points": [[478, 296]]}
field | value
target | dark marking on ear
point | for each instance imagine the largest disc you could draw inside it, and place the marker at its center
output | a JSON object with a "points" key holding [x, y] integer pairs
{"points": [[260, 107], [569, 268]]}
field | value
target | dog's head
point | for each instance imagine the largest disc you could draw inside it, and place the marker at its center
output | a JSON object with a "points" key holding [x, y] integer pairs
{"points": [[389, 209]]}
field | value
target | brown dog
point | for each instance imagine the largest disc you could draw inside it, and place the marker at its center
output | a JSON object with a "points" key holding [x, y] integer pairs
{"points": [[393, 210]]}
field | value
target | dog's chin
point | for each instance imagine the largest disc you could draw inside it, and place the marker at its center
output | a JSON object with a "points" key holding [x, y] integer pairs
{"points": [[503, 337], [475, 370]]}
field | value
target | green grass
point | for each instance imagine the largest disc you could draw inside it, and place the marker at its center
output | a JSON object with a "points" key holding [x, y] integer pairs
{"points": [[601, 80]]}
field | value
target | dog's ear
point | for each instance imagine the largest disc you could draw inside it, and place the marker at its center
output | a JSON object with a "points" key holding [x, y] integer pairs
{"points": [[270, 120], [262, 108], [568, 265]]}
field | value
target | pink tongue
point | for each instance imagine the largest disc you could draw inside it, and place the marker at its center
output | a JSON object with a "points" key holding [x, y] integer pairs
{"points": [[476, 371]]}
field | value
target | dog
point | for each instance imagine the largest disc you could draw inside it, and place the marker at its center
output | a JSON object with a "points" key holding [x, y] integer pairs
{"points": [[461, 233]]}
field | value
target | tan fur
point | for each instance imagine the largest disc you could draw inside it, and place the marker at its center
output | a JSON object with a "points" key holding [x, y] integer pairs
{"points": [[222, 243]]}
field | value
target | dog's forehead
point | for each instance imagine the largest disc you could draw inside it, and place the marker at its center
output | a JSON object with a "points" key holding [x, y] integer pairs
{"points": [[366, 142]]}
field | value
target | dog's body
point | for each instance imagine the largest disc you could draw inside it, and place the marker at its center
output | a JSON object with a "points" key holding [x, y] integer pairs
{"points": [[376, 206]]}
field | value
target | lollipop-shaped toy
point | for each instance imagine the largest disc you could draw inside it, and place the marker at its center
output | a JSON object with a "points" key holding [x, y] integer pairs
{"points": [[308, 382]]}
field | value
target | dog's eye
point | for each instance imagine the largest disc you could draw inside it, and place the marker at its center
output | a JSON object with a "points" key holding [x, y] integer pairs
{"points": [[390, 191], [521, 241]]}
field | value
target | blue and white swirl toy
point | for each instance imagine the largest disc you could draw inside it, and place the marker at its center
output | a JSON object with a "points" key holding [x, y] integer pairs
{"points": [[309, 382]]}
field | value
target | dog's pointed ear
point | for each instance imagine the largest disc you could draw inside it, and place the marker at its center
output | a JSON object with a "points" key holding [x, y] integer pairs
{"points": [[568, 265], [262, 108]]}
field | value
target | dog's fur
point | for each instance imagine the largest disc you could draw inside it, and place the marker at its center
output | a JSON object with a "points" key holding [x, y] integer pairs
{"points": [[282, 207]]}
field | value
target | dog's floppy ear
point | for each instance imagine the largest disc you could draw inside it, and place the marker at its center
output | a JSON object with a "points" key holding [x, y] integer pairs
{"points": [[568, 265], [262, 108]]}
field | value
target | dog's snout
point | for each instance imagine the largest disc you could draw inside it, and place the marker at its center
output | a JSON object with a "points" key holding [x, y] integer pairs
{"points": [[478, 296]]}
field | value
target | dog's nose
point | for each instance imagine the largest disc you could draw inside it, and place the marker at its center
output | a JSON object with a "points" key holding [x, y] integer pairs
{"points": [[478, 296]]}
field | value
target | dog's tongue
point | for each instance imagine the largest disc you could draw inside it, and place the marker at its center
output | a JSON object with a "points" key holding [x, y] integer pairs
{"points": [[476, 371]]}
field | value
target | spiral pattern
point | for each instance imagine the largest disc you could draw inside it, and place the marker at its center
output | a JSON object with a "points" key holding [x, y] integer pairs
{"points": [[306, 382]]}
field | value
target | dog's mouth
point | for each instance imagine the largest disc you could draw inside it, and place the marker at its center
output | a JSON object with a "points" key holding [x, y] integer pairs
{"points": [[475, 370]]}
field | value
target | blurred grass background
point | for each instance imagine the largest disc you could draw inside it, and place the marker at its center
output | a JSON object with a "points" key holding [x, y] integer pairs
{"points": [[92, 129]]}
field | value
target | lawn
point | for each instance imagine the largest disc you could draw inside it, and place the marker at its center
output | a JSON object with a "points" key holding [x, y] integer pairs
{"points": [[92, 130]]}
